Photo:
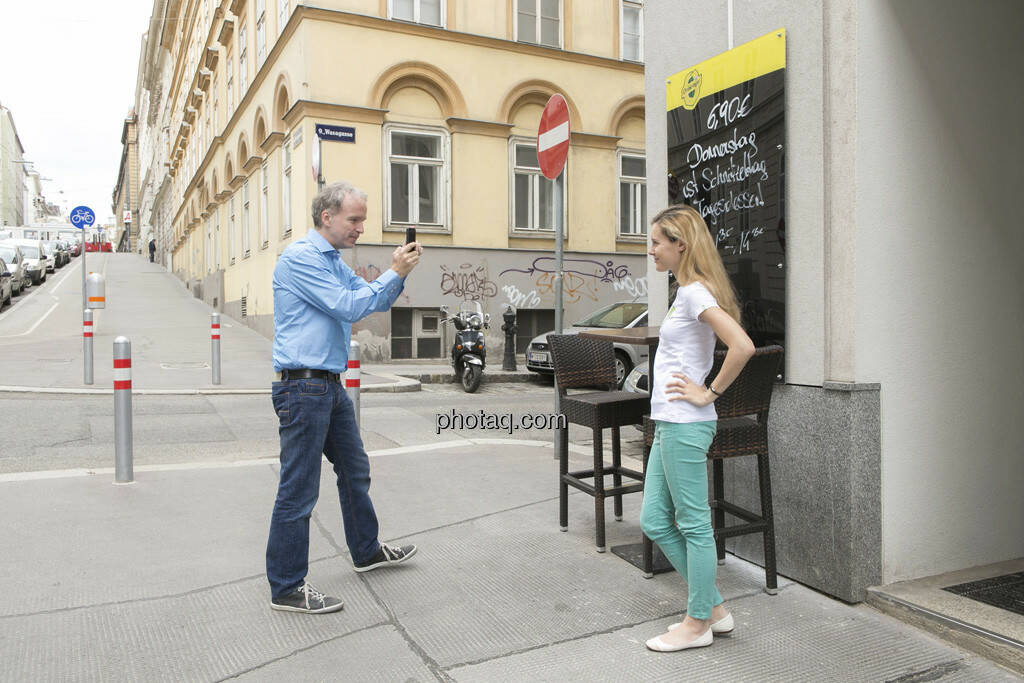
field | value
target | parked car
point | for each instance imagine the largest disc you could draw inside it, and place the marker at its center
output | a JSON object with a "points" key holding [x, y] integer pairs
{"points": [[35, 258], [15, 261], [6, 292], [74, 248], [621, 315]]}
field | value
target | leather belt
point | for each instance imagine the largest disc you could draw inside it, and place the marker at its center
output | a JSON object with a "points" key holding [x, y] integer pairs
{"points": [[306, 373]]}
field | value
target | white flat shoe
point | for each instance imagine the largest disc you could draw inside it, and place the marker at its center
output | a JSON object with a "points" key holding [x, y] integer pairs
{"points": [[658, 645], [719, 628]]}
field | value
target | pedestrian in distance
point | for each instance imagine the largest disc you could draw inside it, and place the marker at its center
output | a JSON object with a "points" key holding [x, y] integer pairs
{"points": [[317, 297], [152, 250], [675, 512]]}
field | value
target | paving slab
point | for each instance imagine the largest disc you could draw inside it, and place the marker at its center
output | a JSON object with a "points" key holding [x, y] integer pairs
{"points": [[207, 634]]}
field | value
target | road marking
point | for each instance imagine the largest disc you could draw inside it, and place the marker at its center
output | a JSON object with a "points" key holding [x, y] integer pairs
{"points": [[57, 286], [273, 460], [22, 301]]}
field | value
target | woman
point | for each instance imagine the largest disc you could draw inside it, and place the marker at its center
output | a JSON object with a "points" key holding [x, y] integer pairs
{"points": [[675, 513]]}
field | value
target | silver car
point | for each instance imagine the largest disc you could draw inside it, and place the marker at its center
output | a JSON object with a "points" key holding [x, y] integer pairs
{"points": [[6, 294], [621, 315], [15, 261], [35, 258]]}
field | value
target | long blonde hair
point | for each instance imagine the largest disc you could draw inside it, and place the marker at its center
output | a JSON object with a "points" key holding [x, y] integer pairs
{"points": [[700, 259]]}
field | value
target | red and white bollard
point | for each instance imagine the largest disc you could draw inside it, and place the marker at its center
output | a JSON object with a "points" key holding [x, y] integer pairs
{"points": [[123, 473], [352, 377], [87, 344], [215, 346]]}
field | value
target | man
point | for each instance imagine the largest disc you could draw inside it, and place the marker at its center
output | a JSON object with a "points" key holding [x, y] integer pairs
{"points": [[152, 249], [317, 297]]}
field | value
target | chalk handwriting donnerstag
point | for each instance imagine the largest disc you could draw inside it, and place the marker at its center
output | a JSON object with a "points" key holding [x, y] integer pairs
{"points": [[605, 272]]}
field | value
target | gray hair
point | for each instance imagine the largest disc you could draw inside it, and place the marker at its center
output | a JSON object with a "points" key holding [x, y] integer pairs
{"points": [[332, 197]]}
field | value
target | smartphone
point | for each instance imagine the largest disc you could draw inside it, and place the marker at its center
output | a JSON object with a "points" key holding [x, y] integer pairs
{"points": [[410, 235]]}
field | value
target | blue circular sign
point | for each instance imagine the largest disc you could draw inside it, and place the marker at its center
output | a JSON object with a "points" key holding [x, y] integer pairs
{"points": [[82, 217]]}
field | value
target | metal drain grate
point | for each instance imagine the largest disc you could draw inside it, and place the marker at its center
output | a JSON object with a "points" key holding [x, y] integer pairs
{"points": [[1005, 592], [244, 306], [186, 365]]}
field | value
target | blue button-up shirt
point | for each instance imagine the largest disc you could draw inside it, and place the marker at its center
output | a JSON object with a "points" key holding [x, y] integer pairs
{"points": [[317, 297]]}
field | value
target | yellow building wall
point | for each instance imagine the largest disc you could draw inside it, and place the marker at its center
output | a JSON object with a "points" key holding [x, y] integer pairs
{"points": [[482, 93]]}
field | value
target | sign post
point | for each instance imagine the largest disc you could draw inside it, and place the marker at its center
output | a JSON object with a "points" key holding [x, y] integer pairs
{"points": [[82, 217], [552, 150]]}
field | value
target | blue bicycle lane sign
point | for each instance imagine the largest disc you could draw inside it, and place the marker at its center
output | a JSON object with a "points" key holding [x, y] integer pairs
{"points": [[82, 217]]}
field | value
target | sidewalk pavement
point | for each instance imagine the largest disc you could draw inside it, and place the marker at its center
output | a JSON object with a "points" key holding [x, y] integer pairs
{"points": [[41, 340], [163, 579]]}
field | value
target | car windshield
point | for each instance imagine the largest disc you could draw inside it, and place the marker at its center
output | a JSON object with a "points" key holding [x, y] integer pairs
{"points": [[616, 315], [30, 252], [7, 254], [48, 248]]}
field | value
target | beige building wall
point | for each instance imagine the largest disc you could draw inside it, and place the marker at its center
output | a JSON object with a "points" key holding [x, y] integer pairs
{"points": [[345, 63]]}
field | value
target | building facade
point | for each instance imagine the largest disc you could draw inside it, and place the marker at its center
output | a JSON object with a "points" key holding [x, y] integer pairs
{"points": [[12, 171], [896, 438], [432, 107], [125, 198]]}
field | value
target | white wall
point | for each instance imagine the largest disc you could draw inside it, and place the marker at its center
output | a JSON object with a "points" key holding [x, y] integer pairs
{"points": [[940, 316]]}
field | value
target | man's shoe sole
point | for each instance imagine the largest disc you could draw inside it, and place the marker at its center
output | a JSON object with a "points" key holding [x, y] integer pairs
{"points": [[386, 563], [323, 610]]}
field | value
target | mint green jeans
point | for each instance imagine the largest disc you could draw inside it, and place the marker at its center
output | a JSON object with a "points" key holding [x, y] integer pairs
{"points": [[675, 512]]}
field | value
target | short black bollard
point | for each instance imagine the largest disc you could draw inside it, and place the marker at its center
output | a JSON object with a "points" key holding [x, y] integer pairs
{"points": [[508, 362]]}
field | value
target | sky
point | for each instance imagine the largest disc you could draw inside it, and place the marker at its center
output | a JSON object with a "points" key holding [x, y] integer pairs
{"points": [[67, 73]]}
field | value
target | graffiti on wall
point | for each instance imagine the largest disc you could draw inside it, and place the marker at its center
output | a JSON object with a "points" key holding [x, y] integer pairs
{"points": [[574, 287], [585, 268], [633, 287], [520, 299], [468, 282]]}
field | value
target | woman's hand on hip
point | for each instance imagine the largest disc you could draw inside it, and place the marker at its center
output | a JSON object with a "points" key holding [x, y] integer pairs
{"points": [[686, 389]]}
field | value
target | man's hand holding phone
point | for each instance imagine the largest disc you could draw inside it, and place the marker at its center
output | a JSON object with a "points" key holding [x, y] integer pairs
{"points": [[405, 257]]}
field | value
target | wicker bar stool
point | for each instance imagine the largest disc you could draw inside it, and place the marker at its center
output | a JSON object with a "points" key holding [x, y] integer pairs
{"points": [[742, 430], [581, 363]]}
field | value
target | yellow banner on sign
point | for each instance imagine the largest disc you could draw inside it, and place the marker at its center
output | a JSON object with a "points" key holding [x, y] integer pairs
{"points": [[744, 63]]}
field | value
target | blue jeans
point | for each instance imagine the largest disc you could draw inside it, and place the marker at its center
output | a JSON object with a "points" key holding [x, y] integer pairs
{"points": [[316, 418], [675, 512]]}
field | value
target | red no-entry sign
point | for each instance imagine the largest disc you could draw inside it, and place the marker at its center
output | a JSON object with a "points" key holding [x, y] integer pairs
{"points": [[553, 137]]}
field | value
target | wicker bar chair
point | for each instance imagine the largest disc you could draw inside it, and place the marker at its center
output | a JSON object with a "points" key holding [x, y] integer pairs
{"points": [[580, 363], [742, 430]]}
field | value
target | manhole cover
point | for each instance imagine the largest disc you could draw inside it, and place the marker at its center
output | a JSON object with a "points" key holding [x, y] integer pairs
{"points": [[187, 365]]}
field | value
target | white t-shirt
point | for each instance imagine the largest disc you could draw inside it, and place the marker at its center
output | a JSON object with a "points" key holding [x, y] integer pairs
{"points": [[686, 345]]}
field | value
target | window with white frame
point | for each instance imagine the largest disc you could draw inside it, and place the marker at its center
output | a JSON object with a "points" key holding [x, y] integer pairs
{"points": [[261, 32], [231, 86], [216, 110], [265, 206], [283, 12], [231, 230], [539, 21], [243, 63], [286, 187], [245, 218], [632, 194], [209, 246], [420, 11], [417, 176], [631, 19], [533, 195], [216, 236], [206, 127]]}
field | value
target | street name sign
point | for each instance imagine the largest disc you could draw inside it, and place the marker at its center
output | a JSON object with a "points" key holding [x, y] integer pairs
{"points": [[335, 133], [553, 137]]}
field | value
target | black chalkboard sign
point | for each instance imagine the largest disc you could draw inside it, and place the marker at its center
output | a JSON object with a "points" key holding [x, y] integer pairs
{"points": [[726, 158]]}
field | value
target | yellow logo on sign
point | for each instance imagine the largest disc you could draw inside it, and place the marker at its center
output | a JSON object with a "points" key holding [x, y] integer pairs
{"points": [[691, 89]]}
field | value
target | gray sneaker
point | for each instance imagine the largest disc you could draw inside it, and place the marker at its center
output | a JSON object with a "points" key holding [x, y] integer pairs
{"points": [[306, 599], [387, 556]]}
